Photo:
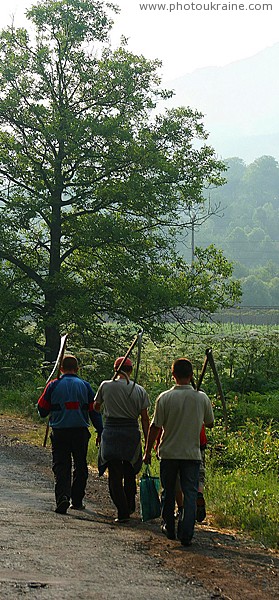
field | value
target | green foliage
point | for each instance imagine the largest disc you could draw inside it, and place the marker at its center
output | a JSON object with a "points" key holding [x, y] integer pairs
{"points": [[253, 406], [248, 228], [247, 359], [92, 455], [95, 183], [253, 448], [21, 398]]}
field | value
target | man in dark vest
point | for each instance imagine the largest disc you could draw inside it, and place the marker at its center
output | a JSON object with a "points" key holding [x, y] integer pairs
{"points": [[122, 403]]}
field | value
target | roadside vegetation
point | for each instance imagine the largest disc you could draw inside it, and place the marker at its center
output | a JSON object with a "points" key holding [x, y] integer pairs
{"points": [[242, 465]]}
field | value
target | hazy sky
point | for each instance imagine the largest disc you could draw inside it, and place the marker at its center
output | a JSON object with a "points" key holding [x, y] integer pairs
{"points": [[185, 36]]}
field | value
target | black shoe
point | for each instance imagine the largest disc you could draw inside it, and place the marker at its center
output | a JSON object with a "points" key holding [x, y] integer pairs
{"points": [[123, 520], [201, 512], [170, 534], [62, 505], [77, 506], [185, 542]]}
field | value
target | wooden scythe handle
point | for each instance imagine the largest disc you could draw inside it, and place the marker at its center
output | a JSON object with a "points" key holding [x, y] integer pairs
{"points": [[55, 373], [219, 386]]}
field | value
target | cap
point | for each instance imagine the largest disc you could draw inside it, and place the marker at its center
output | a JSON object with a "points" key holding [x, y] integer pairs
{"points": [[127, 363]]}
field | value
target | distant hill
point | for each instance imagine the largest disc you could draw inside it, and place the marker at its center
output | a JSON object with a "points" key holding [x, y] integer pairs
{"points": [[240, 104]]}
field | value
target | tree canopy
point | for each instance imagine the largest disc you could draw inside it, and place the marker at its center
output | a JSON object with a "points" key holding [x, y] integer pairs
{"points": [[95, 182], [248, 229]]}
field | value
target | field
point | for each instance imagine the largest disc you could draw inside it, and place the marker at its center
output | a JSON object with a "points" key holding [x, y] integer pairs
{"points": [[242, 462]]}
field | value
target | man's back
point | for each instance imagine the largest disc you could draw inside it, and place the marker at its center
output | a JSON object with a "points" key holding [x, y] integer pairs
{"points": [[181, 412], [121, 399]]}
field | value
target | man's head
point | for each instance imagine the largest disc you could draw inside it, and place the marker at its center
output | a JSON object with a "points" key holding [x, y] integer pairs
{"points": [[182, 369], [69, 364], [127, 365]]}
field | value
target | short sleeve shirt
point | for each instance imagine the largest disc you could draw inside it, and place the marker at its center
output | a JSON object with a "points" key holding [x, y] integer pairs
{"points": [[181, 411], [121, 400]]}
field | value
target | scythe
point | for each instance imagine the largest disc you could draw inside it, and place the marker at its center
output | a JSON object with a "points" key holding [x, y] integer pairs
{"points": [[209, 359], [136, 340], [56, 373]]}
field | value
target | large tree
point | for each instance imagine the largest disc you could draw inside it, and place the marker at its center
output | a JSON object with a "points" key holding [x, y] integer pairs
{"points": [[94, 181]]}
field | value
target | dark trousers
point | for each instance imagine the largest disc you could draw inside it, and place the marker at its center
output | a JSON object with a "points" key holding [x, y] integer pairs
{"points": [[188, 471], [122, 487], [70, 444]]}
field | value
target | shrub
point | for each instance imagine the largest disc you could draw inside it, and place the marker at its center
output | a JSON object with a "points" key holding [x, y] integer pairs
{"points": [[253, 447]]}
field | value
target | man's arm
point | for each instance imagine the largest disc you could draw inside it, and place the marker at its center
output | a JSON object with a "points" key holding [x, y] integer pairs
{"points": [[44, 402], [97, 422], [96, 419], [208, 414], [145, 423], [152, 435], [95, 416], [98, 400]]}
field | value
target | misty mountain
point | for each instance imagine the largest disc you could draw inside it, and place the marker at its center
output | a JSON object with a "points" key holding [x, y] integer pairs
{"points": [[240, 104]]}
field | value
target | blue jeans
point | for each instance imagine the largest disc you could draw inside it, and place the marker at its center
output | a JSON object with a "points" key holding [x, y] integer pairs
{"points": [[189, 477]]}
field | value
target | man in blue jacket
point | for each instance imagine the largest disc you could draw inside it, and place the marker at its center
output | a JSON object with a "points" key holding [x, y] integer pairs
{"points": [[69, 402]]}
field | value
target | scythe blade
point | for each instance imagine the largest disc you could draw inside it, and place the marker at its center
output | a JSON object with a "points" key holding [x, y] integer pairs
{"points": [[55, 373]]}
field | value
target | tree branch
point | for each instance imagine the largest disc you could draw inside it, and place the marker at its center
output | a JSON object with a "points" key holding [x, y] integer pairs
{"points": [[24, 268]]}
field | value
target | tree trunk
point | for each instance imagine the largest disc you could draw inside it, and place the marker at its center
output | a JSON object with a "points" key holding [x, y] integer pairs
{"points": [[52, 343]]}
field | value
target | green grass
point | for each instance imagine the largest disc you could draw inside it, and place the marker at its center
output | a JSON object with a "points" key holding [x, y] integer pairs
{"points": [[92, 455], [245, 502]]}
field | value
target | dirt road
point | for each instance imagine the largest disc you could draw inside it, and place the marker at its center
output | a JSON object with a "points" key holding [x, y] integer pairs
{"points": [[85, 555]]}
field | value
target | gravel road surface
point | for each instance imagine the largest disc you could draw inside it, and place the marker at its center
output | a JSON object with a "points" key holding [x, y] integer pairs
{"points": [[85, 555], [74, 556]]}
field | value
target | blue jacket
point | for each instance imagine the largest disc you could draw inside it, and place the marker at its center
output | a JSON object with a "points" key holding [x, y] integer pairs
{"points": [[69, 402]]}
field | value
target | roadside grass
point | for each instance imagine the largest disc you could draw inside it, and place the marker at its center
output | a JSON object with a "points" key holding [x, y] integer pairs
{"points": [[245, 502], [242, 479]]}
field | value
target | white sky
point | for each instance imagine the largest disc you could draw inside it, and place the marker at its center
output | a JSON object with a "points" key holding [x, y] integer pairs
{"points": [[185, 39]]}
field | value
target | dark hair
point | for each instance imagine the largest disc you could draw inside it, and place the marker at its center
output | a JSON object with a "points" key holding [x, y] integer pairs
{"points": [[69, 363], [126, 368], [182, 368]]}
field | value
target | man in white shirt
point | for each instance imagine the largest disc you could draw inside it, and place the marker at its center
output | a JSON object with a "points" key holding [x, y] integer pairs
{"points": [[180, 411]]}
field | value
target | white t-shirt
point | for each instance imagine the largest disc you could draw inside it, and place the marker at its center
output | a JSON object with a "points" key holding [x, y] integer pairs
{"points": [[118, 401], [181, 411]]}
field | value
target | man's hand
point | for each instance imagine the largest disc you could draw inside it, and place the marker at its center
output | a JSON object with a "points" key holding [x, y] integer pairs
{"points": [[98, 441], [152, 435], [147, 458]]}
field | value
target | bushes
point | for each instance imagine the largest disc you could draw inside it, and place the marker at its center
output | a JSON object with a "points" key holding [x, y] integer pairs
{"points": [[252, 406], [21, 400], [253, 448]]}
